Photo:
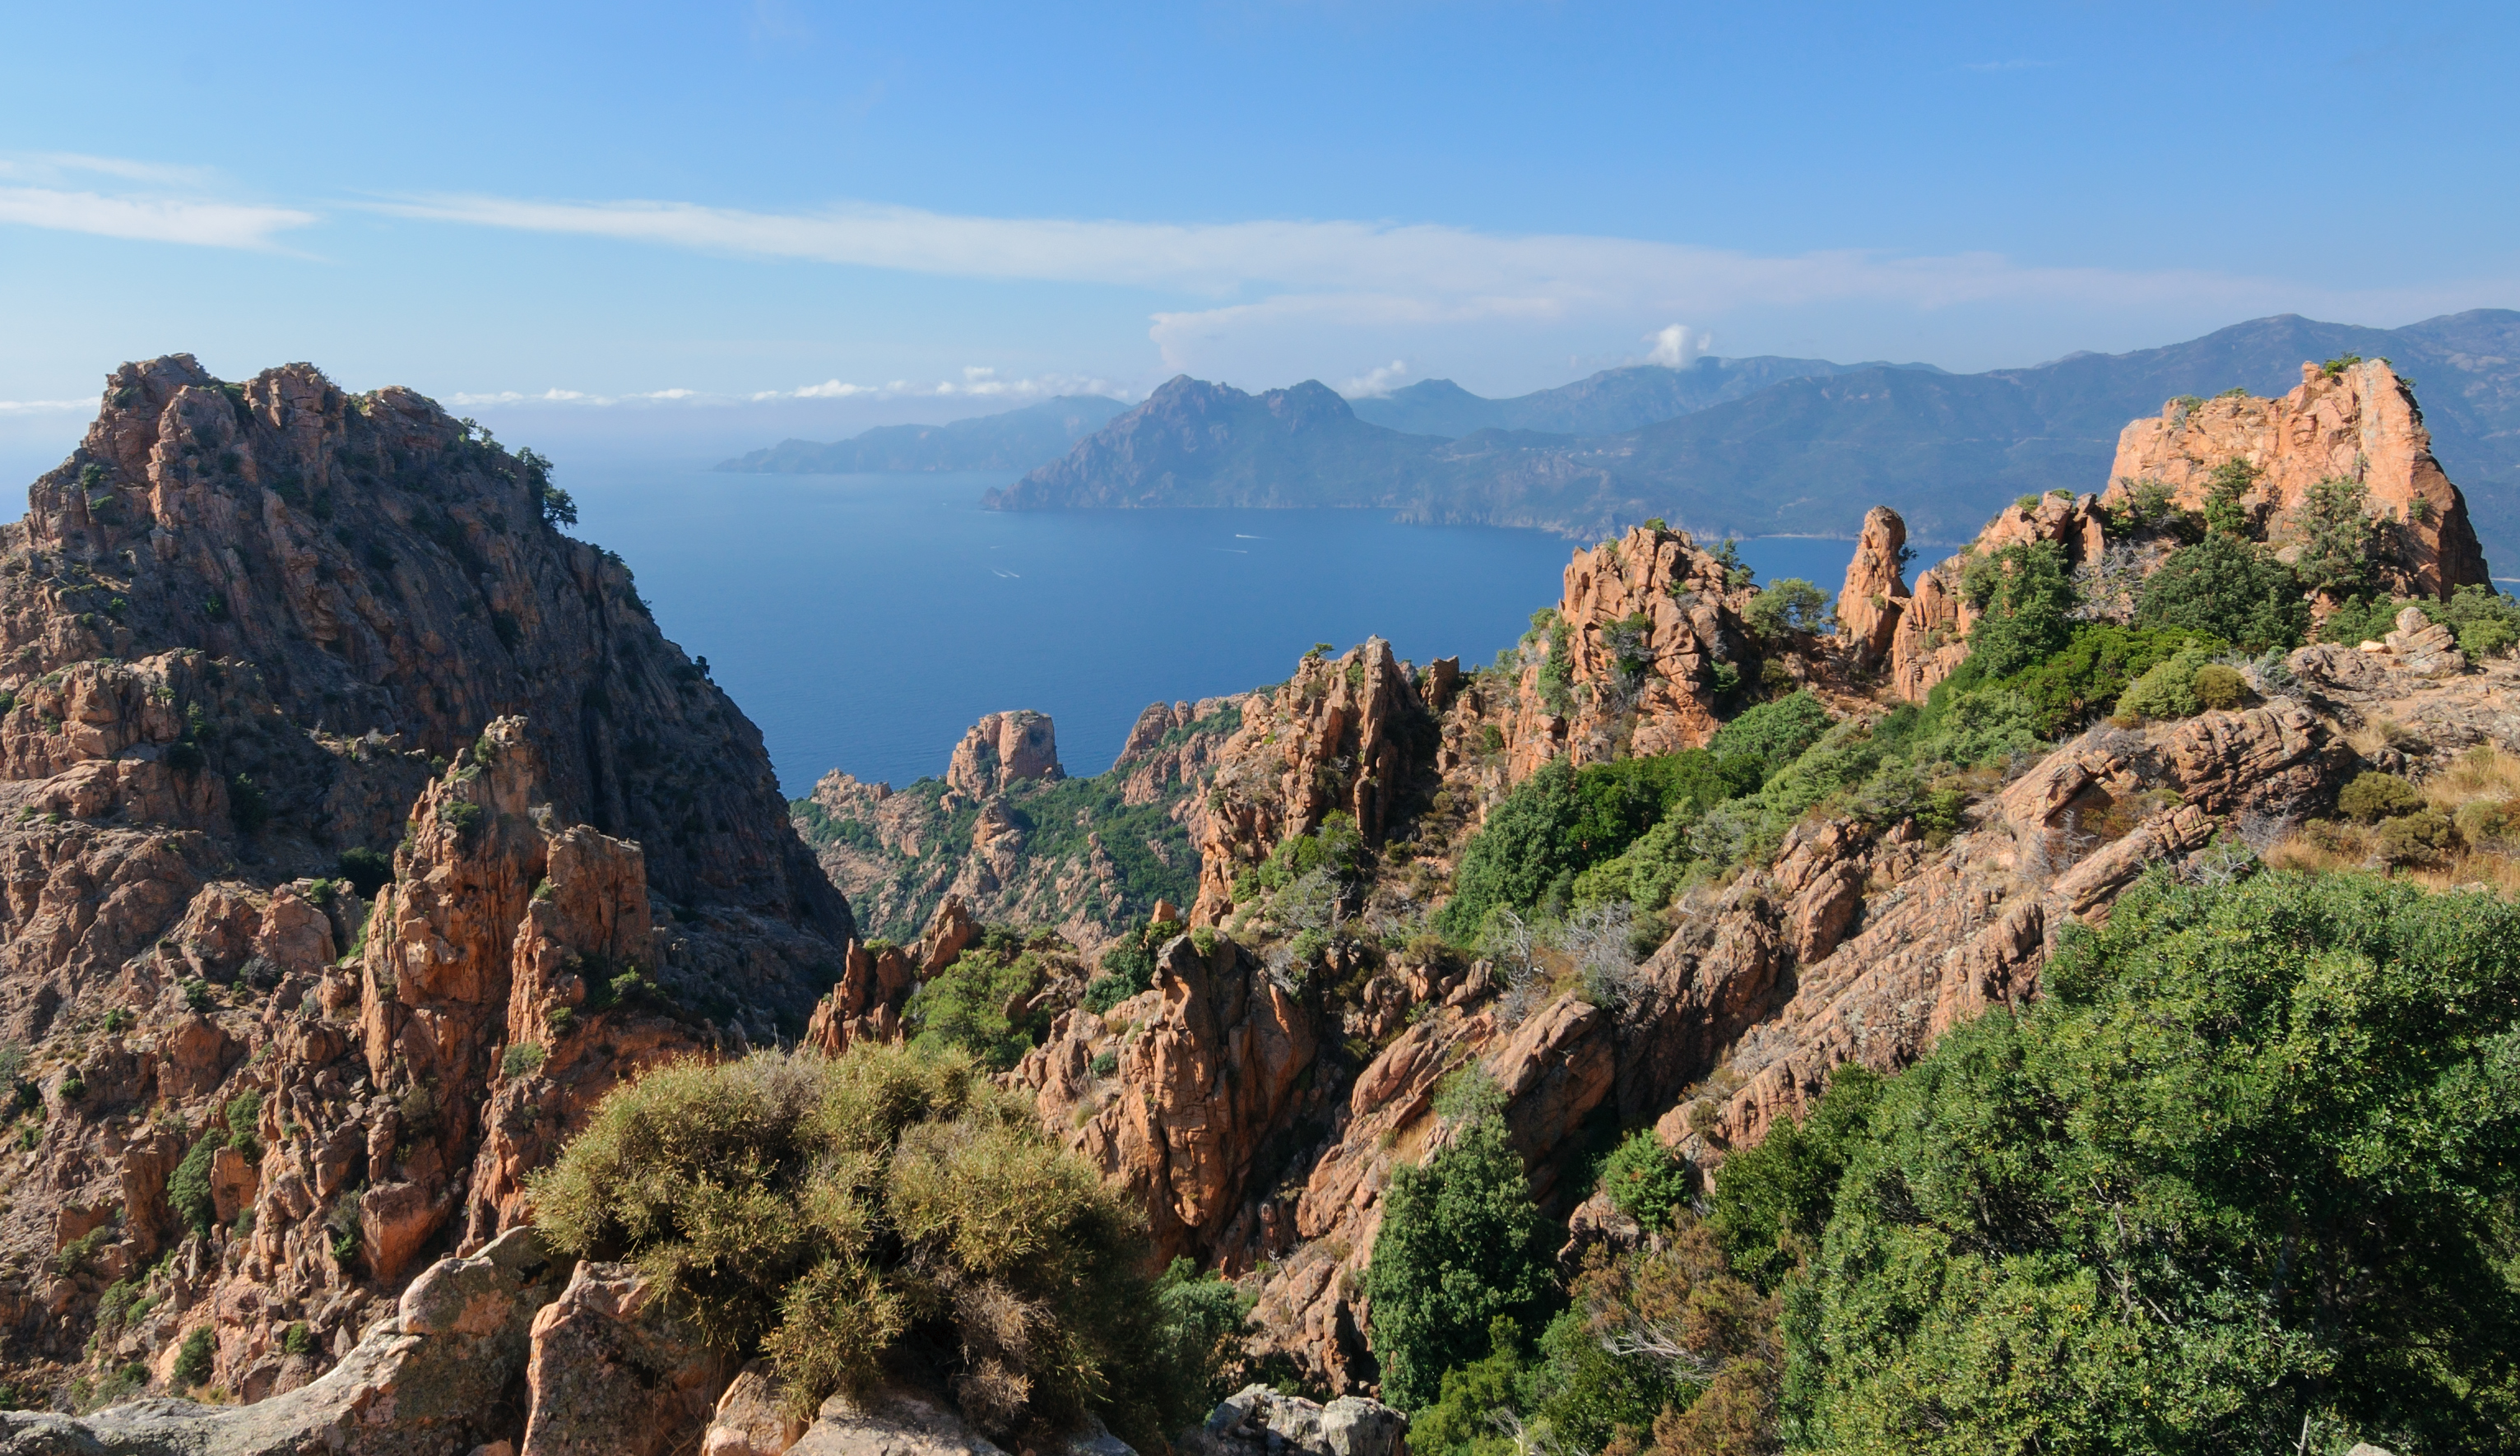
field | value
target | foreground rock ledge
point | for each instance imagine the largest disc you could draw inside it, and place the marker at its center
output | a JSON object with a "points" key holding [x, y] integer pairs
{"points": [[442, 1373]]}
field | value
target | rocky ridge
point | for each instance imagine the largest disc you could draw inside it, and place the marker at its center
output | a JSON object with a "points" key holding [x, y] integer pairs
{"points": [[366, 1082], [366, 832]]}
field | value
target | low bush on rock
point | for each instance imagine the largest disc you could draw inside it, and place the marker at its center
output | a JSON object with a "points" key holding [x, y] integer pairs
{"points": [[830, 1213]]}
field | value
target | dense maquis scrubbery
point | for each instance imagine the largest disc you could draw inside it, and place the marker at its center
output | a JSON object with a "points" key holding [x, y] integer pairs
{"points": [[2252, 1164], [1563, 822], [890, 1205], [2487, 621], [2247, 1180]]}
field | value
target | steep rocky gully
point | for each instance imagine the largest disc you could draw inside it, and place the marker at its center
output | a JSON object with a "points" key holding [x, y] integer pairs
{"points": [[362, 831]]}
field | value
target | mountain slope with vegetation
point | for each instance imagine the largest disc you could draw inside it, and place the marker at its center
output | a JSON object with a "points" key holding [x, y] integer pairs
{"points": [[1608, 403]]}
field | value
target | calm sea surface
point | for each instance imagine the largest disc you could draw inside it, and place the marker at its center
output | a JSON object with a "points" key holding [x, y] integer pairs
{"points": [[865, 621]]}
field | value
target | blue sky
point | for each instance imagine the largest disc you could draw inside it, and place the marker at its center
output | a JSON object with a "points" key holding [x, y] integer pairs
{"points": [[736, 221]]}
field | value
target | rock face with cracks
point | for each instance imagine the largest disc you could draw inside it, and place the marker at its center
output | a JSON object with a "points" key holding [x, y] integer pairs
{"points": [[2360, 423]]}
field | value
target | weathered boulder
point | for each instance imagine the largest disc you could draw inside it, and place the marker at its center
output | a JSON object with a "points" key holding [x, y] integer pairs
{"points": [[891, 1421], [2424, 647], [1257, 1421], [750, 1419], [614, 1374]]}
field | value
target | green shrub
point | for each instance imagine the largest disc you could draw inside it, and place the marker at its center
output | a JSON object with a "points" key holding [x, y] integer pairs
{"points": [[1772, 735], [1557, 669], [1198, 1317], [2024, 597], [1771, 1201], [2147, 506], [2226, 587], [1645, 1180], [2219, 687], [2167, 689], [2373, 796], [977, 1004], [2085, 678], [1128, 969], [823, 1211], [1787, 606], [2343, 545], [367, 870], [188, 1188], [2236, 1185], [2418, 838], [1462, 1420], [2358, 619], [521, 1059], [463, 816], [2487, 621], [2488, 821], [1460, 1247], [248, 807], [1561, 821], [193, 1362], [297, 1340]]}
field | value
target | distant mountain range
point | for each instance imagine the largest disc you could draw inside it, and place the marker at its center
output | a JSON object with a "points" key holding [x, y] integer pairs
{"points": [[1608, 403], [1016, 440], [1765, 446]]}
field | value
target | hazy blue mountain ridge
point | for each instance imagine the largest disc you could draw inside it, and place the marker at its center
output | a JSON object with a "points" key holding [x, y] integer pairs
{"points": [[1806, 454], [1016, 440], [1608, 403]]}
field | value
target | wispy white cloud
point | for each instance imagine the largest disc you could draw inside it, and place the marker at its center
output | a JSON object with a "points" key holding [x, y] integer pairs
{"points": [[1393, 270], [574, 397], [977, 382], [1377, 381], [174, 206]]}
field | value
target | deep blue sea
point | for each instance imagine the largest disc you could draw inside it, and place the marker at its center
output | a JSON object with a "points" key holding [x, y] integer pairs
{"points": [[865, 621]]}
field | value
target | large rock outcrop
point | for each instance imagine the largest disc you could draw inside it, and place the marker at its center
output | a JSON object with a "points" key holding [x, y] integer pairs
{"points": [[1930, 640], [383, 570], [1346, 734], [2358, 424], [1004, 748], [363, 831], [615, 1373], [1638, 656], [1876, 589]]}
